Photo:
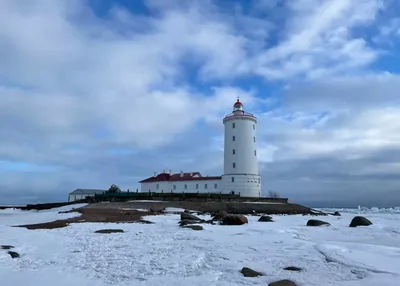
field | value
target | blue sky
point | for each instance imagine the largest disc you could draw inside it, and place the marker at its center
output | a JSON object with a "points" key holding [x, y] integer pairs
{"points": [[99, 92]]}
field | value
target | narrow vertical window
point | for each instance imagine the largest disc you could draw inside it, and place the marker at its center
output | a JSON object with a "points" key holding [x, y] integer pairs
{"points": [[254, 139], [234, 165], [233, 138], [205, 186], [197, 186], [233, 125], [255, 153], [254, 127], [233, 179], [233, 151], [185, 187], [174, 187], [158, 186], [215, 186]]}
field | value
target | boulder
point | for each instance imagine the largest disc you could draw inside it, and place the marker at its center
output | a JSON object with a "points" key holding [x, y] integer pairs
{"points": [[145, 221], [292, 268], [232, 219], [315, 222], [284, 282], [6, 246], [359, 221], [336, 214], [266, 218], [188, 216], [248, 272], [220, 215], [13, 254], [194, 227], [109, 231], [187, 211], [156, 208]]}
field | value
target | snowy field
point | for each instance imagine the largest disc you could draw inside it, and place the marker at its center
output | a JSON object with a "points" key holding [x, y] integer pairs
{"points": [[165, 254]]}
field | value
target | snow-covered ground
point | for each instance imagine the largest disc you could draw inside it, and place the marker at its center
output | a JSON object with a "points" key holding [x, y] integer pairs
{"points": [[165, 254]]}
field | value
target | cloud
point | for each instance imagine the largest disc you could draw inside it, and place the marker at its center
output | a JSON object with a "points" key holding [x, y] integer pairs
{"points": [[89, 99]]}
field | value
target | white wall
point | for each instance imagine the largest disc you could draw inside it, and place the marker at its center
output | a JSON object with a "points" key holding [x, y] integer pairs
{"points": [[192, 186], [245, 158]]}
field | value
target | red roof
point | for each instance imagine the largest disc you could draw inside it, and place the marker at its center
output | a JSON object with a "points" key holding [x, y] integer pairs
{"points": [[237, 103], [166, 177]]}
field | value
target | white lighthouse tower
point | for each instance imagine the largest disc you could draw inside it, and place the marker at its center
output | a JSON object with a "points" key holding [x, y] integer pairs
{"points": [[240, 154]]}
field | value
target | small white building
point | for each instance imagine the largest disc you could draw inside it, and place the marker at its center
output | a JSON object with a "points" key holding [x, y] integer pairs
{"points": [[81, 194], [240, 163]]}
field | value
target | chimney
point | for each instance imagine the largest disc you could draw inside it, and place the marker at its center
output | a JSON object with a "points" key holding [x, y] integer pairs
{"points": [[191, 174], [181, 173], [170, 171], [155, 174]]}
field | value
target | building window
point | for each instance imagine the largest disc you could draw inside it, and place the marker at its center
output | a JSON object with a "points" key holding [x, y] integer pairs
{"points": [[215, 186], [255, 152], [259, 180], [233, 125], [233, 138], [254, 139], [174, 187], [233, 151], [157, 186], [197, 186], [234, 165], [233, 179], [254, 127], [185, 187], [205, 186]]}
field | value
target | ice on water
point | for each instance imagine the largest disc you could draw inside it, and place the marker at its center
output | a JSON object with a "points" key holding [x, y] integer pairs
{"points": [[165, 254]]}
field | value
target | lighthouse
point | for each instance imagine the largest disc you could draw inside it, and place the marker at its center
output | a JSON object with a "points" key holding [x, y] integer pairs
{"points": [[240, 154]]}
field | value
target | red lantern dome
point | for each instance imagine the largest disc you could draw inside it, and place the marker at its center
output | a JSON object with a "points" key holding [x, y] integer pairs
{"points": [[238, 105]]}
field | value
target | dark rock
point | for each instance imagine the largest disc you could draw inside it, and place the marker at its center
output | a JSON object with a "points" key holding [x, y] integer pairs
{"points": [[194, 227], [284, 282], [156, 209], [315, 222], [220, 215], [13, 254], [6, 246], [233, 219], [247, 272], [336, 214], [145, 221], [359, 221], [292, 268], [188, 216], [266, 218], [187, 211], [108, 230]]}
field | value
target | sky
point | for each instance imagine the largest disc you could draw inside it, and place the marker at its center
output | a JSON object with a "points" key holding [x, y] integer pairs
{"points": [[96, 92]]}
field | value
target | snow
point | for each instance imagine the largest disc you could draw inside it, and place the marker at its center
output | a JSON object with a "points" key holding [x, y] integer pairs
{"points": [[165, 254]]}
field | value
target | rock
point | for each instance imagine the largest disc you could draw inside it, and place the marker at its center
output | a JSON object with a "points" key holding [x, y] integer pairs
{"points": [[232, 219], [220, 215], [359, 221], [108, 230], [336, 214], [194, 227], [187, 211], [315, 222], [292, 268], [247, 272], [284, 282], [156, 209], [188, 216], [6, 246], [13, 254], [266, 218], [145, 221]]}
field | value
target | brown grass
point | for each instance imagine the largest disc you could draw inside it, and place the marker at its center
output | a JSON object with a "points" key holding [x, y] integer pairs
{"points": [[93, 215]]}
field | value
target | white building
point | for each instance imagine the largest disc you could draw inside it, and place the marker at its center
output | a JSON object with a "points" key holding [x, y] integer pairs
{"points": [[240, 163], [81, 194]]}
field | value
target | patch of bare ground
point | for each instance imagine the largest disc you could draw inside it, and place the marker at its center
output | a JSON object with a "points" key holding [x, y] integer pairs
{"points": [[93, 215]]}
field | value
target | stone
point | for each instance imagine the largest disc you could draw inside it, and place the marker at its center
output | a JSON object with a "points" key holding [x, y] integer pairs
{"points": [[360, 221], [220, 215], [13, 254], [292, 268], [265, 218], [284, 282], [156, 208], [6, 246], [233, 219], [248, 272], [145, 221], [315, 222], [336, 214], [109, 231], [188, 216], [194, 227]]}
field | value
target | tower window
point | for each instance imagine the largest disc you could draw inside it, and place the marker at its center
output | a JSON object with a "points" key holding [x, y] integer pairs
{"points": [[255, 152], [254, 139], [233, 125], [234, 165], [185, 187], [233, 138], [233, 151], [205, 186], [233, 179], [254, 127], [197, 186]]}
